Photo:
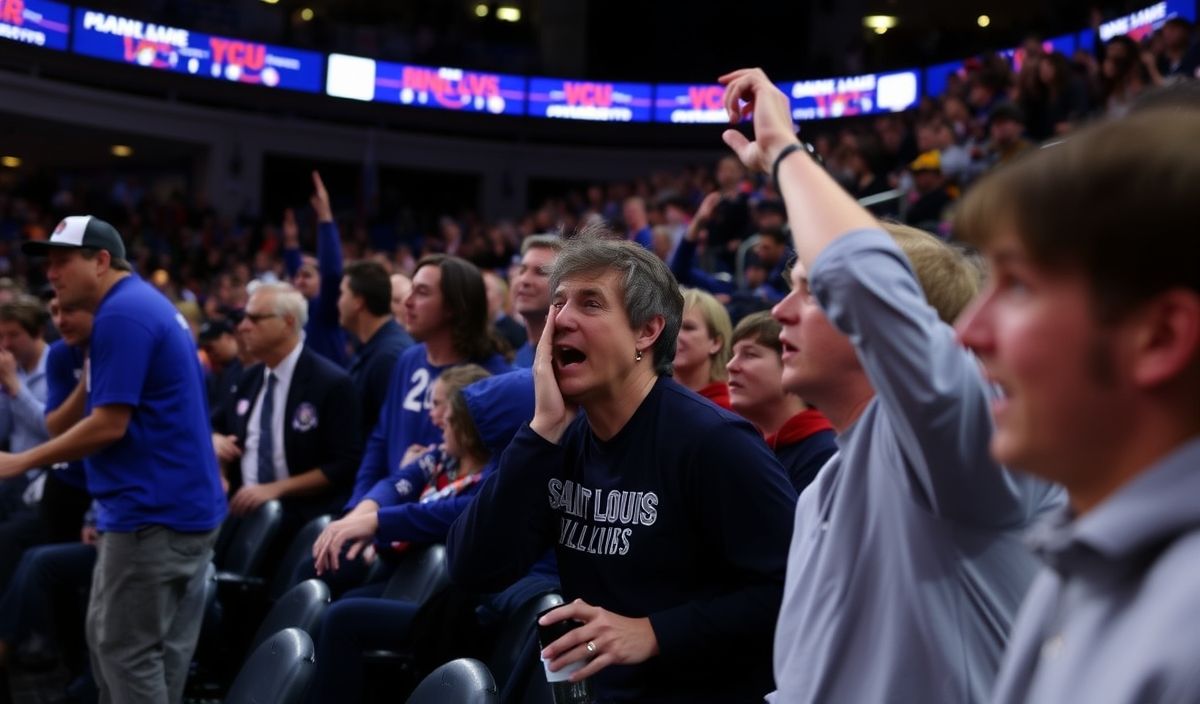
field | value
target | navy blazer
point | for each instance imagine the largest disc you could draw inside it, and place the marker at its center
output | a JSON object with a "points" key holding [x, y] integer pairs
{"points": [[321, 420]]}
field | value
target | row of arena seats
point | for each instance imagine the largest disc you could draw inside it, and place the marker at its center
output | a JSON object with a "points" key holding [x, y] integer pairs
{"points": [[275, 664]]}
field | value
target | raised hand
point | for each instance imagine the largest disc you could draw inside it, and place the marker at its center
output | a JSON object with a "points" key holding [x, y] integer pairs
{"points": [[291, 231], [749, 89], [320, 199], [703, 213]]}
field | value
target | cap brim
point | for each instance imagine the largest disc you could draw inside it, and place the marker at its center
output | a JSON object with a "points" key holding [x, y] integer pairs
{"points": [[39, 248]]}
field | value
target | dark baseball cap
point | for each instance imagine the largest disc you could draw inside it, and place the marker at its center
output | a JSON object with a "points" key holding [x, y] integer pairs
{"points": [[79, 232], [214, 329]]}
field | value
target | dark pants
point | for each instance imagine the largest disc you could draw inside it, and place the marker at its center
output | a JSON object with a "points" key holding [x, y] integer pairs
{"points": [[62, 509], [348, 628], [46, 595], [21, 531]]}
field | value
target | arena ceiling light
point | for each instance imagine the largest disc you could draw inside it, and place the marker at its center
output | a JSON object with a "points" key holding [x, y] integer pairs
{"points": [[481, 10], [307, 14], [11, 162], [508, 13], [271, 2], [983, 20], [880, 24], [121, 150]]}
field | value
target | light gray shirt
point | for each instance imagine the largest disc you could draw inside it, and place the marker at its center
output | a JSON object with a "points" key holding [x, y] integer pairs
{"points": [[1113, 616], [23, 416], [907, 564]]}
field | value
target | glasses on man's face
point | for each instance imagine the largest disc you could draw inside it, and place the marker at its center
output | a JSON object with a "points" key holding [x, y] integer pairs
{"points": [[257, 318]]}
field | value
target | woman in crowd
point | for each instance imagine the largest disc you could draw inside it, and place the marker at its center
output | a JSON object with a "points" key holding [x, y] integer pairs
{"points": [[703, 347]]}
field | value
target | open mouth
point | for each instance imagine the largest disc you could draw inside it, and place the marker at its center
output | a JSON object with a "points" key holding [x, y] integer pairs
{"points": [[568, 356]]}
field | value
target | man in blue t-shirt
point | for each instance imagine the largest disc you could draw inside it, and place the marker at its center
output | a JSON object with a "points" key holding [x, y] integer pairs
{"points": [[150, 465]]}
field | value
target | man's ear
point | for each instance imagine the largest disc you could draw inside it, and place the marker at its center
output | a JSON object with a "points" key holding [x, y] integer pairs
{"points": [[1166, 338], [103, 261]]}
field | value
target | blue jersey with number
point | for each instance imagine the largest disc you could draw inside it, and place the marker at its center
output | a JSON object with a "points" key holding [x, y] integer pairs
{"points": [[404, 419]]}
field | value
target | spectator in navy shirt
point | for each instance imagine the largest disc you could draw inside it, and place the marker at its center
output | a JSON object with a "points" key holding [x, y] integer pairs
{"points": [[364, 310], [668, 515]]}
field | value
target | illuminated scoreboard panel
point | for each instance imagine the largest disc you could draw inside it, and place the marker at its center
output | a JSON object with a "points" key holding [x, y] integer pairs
{"points": [[35, 22], [590, 100], [683, 103], [867, 94], [156, 46], [443, 88]]}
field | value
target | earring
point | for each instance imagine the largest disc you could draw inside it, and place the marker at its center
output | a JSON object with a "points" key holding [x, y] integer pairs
{"points": [[638, 356]]}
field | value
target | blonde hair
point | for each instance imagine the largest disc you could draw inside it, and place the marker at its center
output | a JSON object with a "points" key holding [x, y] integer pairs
{"points": [[949, 277], [716, 319]]}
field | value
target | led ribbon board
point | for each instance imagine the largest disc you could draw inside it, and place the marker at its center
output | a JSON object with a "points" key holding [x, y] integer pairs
{"points": [[681, 103], [868, 94], [37, 22], [158, 46], [444, 88], [589, 100]]}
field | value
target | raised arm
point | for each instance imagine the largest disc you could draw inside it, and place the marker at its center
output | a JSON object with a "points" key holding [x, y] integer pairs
{"points": [[819, 210]]}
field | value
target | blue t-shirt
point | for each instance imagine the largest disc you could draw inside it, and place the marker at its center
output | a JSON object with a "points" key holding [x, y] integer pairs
{"points": [[64, 366], [404, 419], [163, 471], [523, 359]]}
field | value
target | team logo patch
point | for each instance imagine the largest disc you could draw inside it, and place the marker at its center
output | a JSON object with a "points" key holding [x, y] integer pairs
{"points": [[305, 418], [243, 406], [404, 487]]}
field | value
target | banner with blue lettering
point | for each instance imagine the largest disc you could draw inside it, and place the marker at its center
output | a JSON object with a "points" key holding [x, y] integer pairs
{"points": [[158, 46], [589, 100], [38, 22], [360, 78]]}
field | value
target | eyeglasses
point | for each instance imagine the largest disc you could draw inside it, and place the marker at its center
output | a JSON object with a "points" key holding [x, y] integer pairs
{"points": [[257, 318]]}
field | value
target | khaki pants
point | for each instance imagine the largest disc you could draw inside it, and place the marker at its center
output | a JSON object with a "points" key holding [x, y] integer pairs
{"points": [[144, 615]]}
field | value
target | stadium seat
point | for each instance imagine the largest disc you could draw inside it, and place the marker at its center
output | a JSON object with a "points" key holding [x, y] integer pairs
{"points": [[419, 575], [463, 681], [300, 607], [514, 657], [297, 563], [251, 539], [277, 673]]}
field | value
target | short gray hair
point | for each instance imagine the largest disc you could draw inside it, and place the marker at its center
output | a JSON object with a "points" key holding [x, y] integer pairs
{"points": [[647, 288], [288, 301], [543, 242]]}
